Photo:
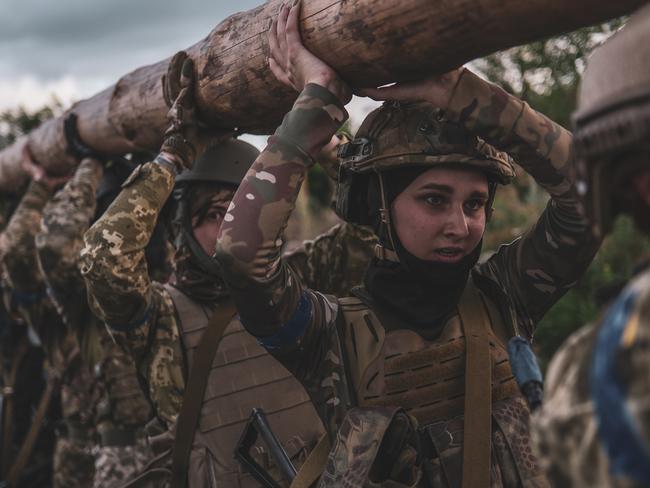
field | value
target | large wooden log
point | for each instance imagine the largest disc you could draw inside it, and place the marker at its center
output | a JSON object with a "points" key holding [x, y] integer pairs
{"points": [[369, 42]]}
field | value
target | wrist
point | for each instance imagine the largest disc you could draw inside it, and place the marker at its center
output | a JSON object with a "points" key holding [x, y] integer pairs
{"points": [[169, 161]]}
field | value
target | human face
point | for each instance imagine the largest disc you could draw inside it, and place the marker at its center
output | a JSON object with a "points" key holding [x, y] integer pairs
{"points": [[440, 216], [206, 231]]}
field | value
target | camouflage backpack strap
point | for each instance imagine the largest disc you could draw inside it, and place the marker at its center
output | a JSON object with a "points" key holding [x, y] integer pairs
{"points": [[197, 379], [478, 389]]}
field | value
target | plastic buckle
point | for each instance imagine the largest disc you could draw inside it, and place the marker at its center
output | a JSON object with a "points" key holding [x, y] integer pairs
{"points": [[355, 151]]}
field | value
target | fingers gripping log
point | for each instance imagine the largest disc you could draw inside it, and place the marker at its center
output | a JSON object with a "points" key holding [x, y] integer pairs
{"points": [[369, 42]]}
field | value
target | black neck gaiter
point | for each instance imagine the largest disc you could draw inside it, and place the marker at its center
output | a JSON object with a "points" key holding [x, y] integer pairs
{"points": [[423, 294]]}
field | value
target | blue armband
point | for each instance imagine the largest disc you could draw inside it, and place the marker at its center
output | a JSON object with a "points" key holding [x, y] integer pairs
{"points": [[628, 453], [292, 330], [135, 323]]}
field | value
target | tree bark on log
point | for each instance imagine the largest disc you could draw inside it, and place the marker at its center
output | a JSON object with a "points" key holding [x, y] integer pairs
{"points": [[369, 42]]}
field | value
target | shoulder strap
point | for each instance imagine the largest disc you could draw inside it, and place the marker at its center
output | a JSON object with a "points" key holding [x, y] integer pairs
{"points": [[312, 469], [30, 439], [8, 404], [188, 417], [478, 389]]}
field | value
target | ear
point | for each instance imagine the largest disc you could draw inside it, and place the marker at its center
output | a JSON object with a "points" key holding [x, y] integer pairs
{"points": [[641, 184]]}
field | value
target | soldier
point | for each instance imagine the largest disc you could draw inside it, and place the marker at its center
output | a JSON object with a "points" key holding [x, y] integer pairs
{"points": [[22, 364], [594, 429], [424, 340], [163, 324], [73, 459], [121, 408]]}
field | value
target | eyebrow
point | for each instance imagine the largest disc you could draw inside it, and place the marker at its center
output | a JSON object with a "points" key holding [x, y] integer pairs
{"points": [[450, 190], [438, 187]]}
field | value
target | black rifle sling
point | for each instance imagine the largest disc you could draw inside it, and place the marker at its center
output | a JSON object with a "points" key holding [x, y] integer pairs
{"points": [[197, 380]]}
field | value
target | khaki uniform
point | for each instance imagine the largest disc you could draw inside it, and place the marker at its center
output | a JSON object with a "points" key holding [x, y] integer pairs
{"points": [[351, 353], [148, 318], [120, 409], [73, 463]]}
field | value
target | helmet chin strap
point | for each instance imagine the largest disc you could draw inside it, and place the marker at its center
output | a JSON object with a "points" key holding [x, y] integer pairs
{"points": [[382, 252], [385, 254], [206, 263]]}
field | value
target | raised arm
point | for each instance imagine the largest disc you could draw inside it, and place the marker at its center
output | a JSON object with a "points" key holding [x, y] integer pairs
{"points": [[268, 294], [112, 261], [65, 219], [536, 270]]}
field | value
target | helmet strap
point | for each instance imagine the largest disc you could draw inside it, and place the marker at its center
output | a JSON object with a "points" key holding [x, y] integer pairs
{"points": [[384, 214]]}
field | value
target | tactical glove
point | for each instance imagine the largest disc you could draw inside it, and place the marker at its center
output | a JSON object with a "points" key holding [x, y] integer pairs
{"points": [[186, 137]]}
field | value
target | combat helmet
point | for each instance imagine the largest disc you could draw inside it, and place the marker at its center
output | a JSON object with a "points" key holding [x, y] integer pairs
{"points": [[401, 135], [612, 121], [225, 164]]}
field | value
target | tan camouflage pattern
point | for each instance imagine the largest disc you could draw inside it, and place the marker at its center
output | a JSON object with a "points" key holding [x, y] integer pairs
{"points": [[565, 430], [335, 261], [21, 269], [121, 293], [112, 263], [66, 218], [367, 430], [525, 278], [115, 465], [73, 464]]}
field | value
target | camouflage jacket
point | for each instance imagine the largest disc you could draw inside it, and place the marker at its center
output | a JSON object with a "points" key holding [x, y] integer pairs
{"points": [[119, 400], [28, 295], [596, 415], [140, 312], [298, 325]]}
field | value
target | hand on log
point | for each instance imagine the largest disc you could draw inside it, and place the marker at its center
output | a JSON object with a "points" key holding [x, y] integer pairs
{"points": [[435, 89], [293, 64], [38, 173], [186, 137]]}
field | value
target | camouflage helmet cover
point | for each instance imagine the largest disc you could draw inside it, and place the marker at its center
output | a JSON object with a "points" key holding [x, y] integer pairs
{"points": [[399, 135], [613, 116]]}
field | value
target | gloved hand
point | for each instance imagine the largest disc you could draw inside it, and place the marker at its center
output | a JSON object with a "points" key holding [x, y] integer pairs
{"points": [[186, 138], [76, 147]]}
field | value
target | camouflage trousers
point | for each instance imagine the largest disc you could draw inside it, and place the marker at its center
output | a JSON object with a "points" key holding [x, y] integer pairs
{"points": [[115, 465], [74, 464]]}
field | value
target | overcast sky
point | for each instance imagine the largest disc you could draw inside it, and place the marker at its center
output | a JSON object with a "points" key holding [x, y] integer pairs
{"points": [[74, 48]]}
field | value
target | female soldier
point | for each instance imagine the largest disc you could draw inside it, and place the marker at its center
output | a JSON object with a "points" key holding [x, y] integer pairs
{"points": [[426, 333]]}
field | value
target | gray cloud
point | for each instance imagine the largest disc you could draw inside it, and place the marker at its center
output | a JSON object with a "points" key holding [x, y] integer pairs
{"points": [[100, 38]]}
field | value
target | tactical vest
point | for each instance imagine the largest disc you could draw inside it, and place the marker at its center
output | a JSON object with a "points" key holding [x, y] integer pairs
{"points": [[427, 379], [243, 376]]}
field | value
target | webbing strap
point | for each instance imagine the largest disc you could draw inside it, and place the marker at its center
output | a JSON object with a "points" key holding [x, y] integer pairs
{"points": [[30, 439], [478, 390], [197, 380], [9, 396], [313, 466]]}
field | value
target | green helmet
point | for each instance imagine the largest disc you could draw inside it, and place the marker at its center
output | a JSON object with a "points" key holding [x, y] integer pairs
{"points": [[612, 120], [226, 162], [399, 135]]}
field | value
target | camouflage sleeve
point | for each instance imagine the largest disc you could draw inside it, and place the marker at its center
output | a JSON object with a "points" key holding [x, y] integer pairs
{"points": [[113, 262], [336, 261], [65, 219], [538, 268], [267, 292], [19, 259]]}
